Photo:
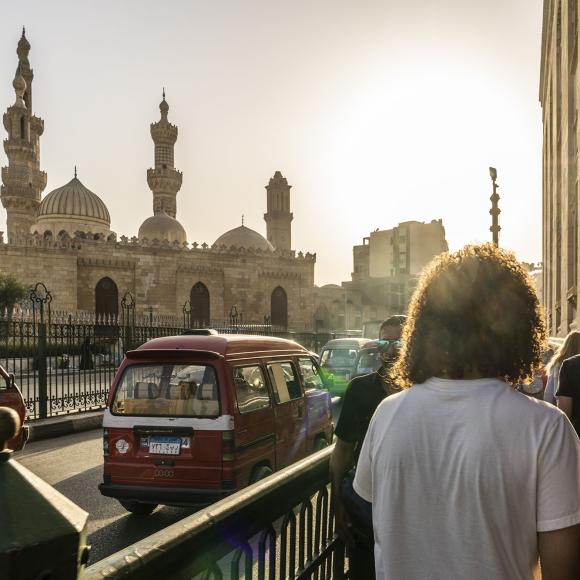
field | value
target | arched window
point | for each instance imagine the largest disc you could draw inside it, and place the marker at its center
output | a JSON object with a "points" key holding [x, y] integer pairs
{"points": [[106, 298], [22, 127], [199, 300], [279, 307]]}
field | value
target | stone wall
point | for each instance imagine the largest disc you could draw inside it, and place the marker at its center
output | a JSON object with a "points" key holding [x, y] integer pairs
{"points": [[161, 275]]}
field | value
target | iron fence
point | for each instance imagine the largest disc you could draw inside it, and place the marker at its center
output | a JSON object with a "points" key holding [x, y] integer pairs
{"points": [[280, 528], [65, 363]]}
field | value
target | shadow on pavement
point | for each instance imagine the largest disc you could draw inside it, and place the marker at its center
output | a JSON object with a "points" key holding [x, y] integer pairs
{"points": [[125, 529]]}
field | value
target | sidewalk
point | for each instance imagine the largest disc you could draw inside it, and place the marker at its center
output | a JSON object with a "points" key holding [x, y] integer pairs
{"points": [[64, 425]]}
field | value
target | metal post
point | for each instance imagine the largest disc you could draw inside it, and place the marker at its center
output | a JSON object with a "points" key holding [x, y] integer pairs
{"points": [[128, 309], [40, 296], [494, 211], [186, 314]]}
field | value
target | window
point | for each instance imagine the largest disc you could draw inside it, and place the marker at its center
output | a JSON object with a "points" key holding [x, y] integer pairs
{"points": [[369, 362], [310, 374], [167, 390], [338, 357], [284, 382], [200, 310], [106, 298], [251, 390]]}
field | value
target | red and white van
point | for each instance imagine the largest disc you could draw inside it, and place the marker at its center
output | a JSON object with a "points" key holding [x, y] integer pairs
{"points": [[191, 419], [10, 396]]}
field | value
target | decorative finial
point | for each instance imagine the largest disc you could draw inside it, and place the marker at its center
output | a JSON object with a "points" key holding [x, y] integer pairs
{"points": [[75, 171], [163, 93], [242, 219], [23, 31]]}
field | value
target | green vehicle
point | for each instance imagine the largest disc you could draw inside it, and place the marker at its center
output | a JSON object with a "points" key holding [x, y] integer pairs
{"points": [[337, 359]]}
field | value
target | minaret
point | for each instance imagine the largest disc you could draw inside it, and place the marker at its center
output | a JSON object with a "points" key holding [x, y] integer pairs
{"points": [[23, 181], [278, 216], [164, 181]]}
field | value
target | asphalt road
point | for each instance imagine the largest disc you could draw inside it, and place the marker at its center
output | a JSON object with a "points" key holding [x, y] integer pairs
{"points": [[73, 465]]}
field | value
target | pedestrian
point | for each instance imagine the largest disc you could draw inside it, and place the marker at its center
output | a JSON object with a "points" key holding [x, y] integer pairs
{"points": [[568, 348], [568, 393], [86, 361], [469, 478], [361, 399]]}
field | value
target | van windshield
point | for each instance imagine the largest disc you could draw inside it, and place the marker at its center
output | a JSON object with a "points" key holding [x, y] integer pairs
{"points": [[338, 357], [369, 361], [167, 390]]}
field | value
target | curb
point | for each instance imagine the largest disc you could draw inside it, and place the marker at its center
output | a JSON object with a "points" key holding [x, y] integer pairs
{"points": [[66, 425]]}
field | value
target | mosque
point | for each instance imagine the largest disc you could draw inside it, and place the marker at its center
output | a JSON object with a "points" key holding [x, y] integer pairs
{"points": [[64, 239]]}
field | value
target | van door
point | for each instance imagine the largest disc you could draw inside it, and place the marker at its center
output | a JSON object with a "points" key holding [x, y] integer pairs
{"points": [[255, 431], [318, 405], [289, 412]]}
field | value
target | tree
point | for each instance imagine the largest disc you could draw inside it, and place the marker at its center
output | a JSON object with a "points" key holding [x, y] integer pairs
{"points": [[11, 292]]}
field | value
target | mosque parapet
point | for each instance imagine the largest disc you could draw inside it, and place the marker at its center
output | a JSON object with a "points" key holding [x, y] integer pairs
{"points": [[64, 241]]}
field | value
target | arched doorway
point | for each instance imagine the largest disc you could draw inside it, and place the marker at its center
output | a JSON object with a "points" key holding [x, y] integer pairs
{"points": [[279, 307], [199, 300], [106, 298]]}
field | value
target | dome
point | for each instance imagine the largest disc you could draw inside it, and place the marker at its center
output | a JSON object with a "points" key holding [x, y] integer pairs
{"points": [[162, 227], [244, 237], [72, 208]]}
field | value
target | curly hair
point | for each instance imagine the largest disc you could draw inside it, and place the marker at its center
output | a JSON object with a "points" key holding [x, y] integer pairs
{"points": [[474, 311]]}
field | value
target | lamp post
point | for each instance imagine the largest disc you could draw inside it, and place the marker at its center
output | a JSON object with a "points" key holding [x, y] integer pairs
{"points": [[494, 211]]}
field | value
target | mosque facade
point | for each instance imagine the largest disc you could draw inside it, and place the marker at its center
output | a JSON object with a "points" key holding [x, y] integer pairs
{"points": [[64, 239]]}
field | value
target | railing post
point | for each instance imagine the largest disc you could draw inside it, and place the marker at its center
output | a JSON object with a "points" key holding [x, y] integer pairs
{"points": [[41, 297], [128, 310]]}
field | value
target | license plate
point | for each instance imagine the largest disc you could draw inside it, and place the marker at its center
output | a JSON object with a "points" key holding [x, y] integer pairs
{"points": [[162, 445], [185, 442]]}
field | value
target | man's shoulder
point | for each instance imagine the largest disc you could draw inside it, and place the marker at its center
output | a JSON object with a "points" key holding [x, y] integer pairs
{"points": [[571, 363], [363, 382]]}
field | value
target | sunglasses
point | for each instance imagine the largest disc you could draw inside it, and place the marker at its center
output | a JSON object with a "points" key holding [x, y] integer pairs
{"points": [[385, 343]]}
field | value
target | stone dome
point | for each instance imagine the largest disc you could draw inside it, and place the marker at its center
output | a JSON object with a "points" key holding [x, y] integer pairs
{"points": [[243, 237], [73, 208], [162, 227]]}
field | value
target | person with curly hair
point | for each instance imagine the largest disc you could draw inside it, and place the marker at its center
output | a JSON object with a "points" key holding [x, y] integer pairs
{"points": [[460, 468]]}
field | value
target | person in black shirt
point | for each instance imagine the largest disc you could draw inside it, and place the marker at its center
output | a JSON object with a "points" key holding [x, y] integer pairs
{"points": [[568, 392], [361, 399]]}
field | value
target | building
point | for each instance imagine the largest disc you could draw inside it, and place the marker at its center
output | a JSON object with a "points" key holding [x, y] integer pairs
{"points": [[385, 270], [559, 78], [64, 239]]}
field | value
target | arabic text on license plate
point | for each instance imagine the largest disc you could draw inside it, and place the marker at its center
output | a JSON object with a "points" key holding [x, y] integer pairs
{"points": [[164, 445]]}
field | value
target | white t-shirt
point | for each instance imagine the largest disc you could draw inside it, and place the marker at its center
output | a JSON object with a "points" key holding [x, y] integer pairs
{"points": [[462, 474]]}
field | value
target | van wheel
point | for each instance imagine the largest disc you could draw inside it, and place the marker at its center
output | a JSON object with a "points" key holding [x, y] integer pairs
{"points": [[260, 473], [138, 508], [319, 444]]}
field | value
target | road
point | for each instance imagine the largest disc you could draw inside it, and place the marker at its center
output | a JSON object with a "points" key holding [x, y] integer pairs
{"points": [[73, 465]]}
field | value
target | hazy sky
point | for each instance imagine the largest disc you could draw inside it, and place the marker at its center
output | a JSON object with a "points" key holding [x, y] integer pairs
{"points": [[377, 112]]}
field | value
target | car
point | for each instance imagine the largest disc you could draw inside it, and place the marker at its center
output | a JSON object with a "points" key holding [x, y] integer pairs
{"points": [[11, 397], [191, 419], [337, 359]]}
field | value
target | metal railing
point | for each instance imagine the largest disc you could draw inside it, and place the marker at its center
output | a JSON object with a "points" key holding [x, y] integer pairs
{"points": [[65, 363], [282, 527]]}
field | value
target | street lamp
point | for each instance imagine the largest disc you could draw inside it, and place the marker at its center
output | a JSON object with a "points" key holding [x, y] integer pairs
{"points": [[494, 211]]}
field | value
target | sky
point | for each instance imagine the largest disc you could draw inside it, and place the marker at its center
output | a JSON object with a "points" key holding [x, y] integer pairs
{"points": [[376, 112]]}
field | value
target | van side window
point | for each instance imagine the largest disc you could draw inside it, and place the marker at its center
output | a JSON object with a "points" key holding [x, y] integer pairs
{"points": [[284, 382], [310, 374], [251, 390]]}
